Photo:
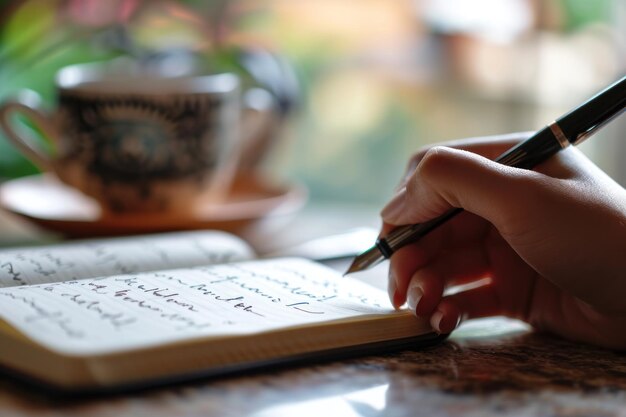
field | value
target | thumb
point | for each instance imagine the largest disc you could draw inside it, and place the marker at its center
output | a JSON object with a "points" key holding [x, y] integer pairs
{"points": [[446, 178]]}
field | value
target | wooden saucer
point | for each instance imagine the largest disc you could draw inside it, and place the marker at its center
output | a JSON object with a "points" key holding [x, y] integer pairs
{"points": [[47, 202]]}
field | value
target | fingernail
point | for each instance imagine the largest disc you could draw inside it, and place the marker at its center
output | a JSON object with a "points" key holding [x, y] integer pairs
{"points": [[391, 289], [395, 207], [435, 320], [414, 296]]}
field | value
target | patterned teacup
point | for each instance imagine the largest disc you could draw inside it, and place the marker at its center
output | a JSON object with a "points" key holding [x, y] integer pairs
{"points": [[138, 142]]}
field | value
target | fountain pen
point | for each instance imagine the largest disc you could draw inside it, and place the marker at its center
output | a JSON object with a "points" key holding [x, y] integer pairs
{"points": [[572, 128]]}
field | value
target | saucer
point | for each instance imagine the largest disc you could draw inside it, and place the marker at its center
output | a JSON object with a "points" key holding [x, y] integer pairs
{"points": [[52, 205]]}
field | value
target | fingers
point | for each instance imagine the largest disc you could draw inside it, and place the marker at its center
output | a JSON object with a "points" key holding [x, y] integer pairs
{"points": [[448, 178], [483, 296], [489, 147], [453, 242], [466, 269], [420, 280], [453, 309]]}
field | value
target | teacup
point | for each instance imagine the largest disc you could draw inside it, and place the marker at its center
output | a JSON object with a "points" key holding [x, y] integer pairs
{"points": [[138, 142]]}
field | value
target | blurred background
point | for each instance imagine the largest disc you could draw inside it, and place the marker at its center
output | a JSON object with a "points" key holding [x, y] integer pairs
{"points": [[361, 84]]}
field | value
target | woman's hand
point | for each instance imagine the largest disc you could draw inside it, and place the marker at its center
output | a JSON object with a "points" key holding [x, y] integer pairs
{"points": [[551, 242]]}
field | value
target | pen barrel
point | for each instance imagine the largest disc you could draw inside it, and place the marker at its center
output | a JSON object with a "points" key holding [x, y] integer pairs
{"points": [[595, 112], [531, 152], [404, 235]]}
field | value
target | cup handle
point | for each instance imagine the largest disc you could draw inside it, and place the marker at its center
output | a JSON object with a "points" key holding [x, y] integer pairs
{"points": [[27, 145]]}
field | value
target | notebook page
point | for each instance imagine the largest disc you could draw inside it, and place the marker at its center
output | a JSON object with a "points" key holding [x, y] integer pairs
{"points": [[131, 311], [94, 258]]}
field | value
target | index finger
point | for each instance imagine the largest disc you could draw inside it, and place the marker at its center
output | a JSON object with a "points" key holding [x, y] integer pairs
{"points": [[486, 146]]}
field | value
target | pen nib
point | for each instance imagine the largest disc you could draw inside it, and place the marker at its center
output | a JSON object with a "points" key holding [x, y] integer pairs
{"points": [[365, 260]]}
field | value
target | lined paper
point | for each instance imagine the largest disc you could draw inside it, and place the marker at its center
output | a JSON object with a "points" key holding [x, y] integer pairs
{"points": [[137, 310], [95, 258]]}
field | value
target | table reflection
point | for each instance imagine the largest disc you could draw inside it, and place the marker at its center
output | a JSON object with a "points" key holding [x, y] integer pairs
{"points": [[366, 402]]}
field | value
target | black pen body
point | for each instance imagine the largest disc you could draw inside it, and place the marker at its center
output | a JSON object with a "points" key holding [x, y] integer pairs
{"points": [[534, 150], [594, 113], [571, 128]]}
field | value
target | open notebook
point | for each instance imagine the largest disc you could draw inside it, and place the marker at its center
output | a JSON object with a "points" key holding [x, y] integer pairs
{"points": [[119, 313]]}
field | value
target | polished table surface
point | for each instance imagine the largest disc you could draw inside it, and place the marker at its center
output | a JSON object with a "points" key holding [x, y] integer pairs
{"points": [[488, 367], [501, 370]]}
